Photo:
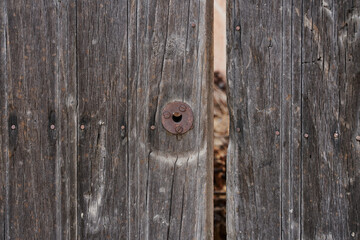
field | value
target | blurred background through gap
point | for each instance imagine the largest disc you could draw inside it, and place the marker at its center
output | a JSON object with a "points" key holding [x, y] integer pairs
{"points": [[221, 120]]}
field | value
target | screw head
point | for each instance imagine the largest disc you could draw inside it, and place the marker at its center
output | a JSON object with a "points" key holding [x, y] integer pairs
{"points": [[167, 115], [358, 138], [13, 127], [237, 28], [179, 129], [152, 127], [336, 135], [306, 135], [82, 126], [277, 133], [182, 108], [52, 126]]}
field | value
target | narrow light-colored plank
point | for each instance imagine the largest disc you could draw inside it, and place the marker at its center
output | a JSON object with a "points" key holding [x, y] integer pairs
{"points": [[66, 122], [291, 135]]}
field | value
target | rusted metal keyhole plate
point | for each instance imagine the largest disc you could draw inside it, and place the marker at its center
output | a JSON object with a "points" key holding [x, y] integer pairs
{"points": [[177, 117]]}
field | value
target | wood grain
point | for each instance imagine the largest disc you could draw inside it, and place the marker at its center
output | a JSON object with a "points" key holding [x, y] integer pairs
{"points": [[331, 105], [293, 67], [170, 178], [38, 100], [102, 107], [254, 82], [67, 121], [83, 82]]}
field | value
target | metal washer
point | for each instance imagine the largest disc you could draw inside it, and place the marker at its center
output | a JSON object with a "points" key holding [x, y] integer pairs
{"points": [[173, 111]]}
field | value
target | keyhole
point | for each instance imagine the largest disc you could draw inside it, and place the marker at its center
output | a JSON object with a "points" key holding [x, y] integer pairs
{"points": [[177, 117]]}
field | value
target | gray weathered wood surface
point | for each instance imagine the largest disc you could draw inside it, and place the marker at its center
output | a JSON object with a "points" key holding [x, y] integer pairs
{"points": [[83, 82], [293, 67]]}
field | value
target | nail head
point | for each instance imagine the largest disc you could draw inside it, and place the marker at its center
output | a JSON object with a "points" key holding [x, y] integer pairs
{"points": [[82, 126], [152, 127], [237, 28], [336, 135], [13, 127], [306, 135], [52, 126], [277, 133]]}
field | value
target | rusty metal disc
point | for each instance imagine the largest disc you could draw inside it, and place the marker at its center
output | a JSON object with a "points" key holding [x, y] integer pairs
{"points": [[177, 117]]}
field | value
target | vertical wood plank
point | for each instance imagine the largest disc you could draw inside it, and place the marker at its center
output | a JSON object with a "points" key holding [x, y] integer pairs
{"points": [[31, 41], [170, 178], [37, 119], [291, 135], [349, 45], [254, 35], [102, 111], [66, 107], [3, 121], [29, 81], [331, 118], [318, 121]]}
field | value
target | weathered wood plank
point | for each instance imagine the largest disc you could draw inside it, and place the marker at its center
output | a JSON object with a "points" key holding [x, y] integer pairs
{"points": [[254, 82], [133, 58], [102, 111], [170, 178], [318, 120], [37, 119], [29, 79], [31, 151], [3, 122], [331, 109], [66, 107], [291, 135], [349, 43]]}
